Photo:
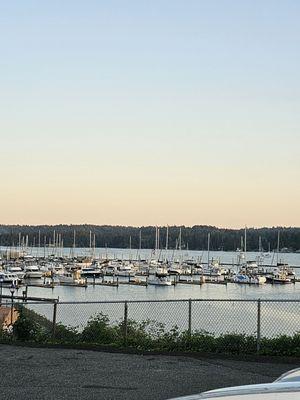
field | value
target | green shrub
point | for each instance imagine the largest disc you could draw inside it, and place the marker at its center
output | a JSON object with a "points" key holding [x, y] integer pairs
{"points": [[99, 331], [147, 335], [203, 342], [281, 346], [65, 334], [235, 344], [25, 328]]}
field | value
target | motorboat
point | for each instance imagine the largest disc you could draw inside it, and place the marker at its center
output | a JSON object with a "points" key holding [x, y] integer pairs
{"points": [[249, 279], [33, 272], [71, 278], [159, 281], [285, 268], [9, 278], [125, 270], [16, 270], [175, 269], [160, 278], [54, 268], [279, 278], [214, 269], [110, 269]]}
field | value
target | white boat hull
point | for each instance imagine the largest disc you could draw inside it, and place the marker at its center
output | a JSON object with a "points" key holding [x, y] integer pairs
{"points": [[159, 282], [33, 275]]}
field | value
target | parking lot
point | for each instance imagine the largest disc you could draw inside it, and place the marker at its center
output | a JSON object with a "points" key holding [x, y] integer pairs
{"points": [[43, 373]]}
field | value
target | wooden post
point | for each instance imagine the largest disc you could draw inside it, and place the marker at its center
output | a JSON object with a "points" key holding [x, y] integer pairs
{"points": [[25, 293]]}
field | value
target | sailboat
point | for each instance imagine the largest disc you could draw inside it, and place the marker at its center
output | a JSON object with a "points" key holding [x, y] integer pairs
{"points": [[248, 273]]}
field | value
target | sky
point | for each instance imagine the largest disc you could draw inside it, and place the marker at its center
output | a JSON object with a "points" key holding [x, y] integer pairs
{"points": [[150, 113]]}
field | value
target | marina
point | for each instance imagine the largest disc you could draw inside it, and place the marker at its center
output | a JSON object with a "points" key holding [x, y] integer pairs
{"points": [[108, 274]]}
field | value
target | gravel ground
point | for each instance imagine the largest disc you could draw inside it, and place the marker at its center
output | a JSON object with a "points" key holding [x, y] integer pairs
{"points": [[41, 373]]}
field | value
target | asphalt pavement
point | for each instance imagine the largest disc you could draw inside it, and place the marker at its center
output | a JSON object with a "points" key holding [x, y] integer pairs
{"points": [[43, 373]]}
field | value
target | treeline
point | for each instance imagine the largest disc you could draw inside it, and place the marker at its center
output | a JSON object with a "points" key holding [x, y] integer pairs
{"points": [[193, 238]]}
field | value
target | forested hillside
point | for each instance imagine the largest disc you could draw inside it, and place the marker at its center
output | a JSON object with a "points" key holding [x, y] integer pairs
{"points": [[194, 238]]}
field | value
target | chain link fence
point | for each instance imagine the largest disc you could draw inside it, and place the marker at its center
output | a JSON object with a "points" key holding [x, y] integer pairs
{"points": [[243, 325]]}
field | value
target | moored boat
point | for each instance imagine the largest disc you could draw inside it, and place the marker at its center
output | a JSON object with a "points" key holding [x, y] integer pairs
{"points": [[71, 278], [159, 281], [248, 279], [160, 278], [279, 278], [33, 272], [9, 278]]}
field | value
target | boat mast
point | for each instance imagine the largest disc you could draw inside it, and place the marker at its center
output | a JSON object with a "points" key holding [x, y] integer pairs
{"points": [[94, 246], [20, 243], [54, 242], [45, 242], [179, 246], [208, 249], [167, 238], [245, 244], [278, 246], [74, 242], [39, 243], [260, 251], [179, 242], [167, 243], [140, 240]]}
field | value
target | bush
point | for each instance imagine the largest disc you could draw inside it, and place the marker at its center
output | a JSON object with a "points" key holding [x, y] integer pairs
{"points": [[281, 346], [235, 344], [65, 334], [99, 331], [25, 328], [147, 335]]}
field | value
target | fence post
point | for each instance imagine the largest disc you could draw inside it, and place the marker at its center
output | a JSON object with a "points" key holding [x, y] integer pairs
{"points": [[190, 319], [54, 319], [125, 321], [258, 334]]}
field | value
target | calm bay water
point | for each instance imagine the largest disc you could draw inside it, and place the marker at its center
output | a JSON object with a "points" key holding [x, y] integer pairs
{"points": [[181, 291], [209, 316]]}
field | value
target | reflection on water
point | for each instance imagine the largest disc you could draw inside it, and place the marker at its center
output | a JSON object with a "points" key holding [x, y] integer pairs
{"points": [[180, 291]]}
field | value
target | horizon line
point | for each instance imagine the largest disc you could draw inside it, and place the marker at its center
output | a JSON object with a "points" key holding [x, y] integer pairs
{"points": [[151, 226]]}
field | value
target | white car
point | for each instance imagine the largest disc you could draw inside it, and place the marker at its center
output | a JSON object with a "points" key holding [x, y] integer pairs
{"points": [[286, 387]]}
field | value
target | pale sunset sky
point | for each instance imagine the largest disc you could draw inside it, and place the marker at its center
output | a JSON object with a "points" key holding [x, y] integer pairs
{"points": [[150, 112]]}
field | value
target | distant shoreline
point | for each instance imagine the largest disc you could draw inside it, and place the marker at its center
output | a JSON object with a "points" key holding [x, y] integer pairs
{"points": [[286, 239]]}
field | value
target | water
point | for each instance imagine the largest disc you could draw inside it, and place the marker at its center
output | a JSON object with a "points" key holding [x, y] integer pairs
{"points": [[277, 318], [180, 291]]}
